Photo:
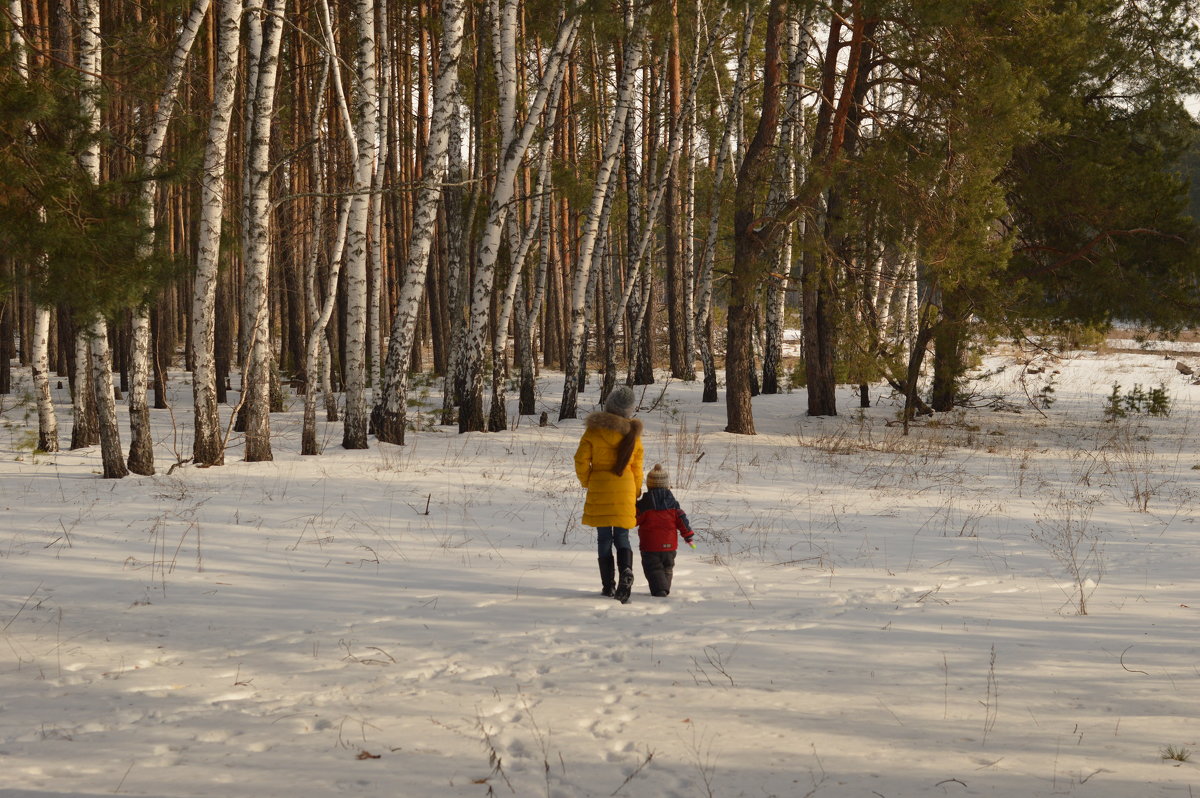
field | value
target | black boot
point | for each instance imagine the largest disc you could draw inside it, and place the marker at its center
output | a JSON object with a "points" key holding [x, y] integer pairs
{"points": [[625, 567], [608, 573]]}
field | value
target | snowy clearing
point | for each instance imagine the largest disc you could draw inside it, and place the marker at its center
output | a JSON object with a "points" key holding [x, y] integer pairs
{"points": [[866, 614]]}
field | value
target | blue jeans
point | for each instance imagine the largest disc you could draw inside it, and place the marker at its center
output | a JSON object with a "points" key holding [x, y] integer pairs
{"points": [[609, 537]]}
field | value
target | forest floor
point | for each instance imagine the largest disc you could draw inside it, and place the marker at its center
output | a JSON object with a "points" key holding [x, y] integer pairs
{"points": [[1004, 602]]}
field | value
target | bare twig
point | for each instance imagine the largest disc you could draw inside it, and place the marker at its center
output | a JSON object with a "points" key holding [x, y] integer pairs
{"points": [[633, 775], [24, 604], [121, 783], [1123, 665]]}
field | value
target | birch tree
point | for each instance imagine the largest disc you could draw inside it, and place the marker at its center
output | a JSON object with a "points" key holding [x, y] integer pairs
{"points": [[630, 63], [320, 302], [640, 231], [208, 447], [389, 412], [454, 217], [366, 131], [316, 350], [519, 243], [141, 447], [40, 360], [471, 417], [97, 327], [383, 117], [256, 372]]}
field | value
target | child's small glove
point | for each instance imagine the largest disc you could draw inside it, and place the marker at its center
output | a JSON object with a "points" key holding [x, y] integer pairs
{"points": [[689, 542]]}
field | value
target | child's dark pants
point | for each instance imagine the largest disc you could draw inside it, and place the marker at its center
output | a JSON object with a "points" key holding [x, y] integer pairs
{"points": [[658, 567]]}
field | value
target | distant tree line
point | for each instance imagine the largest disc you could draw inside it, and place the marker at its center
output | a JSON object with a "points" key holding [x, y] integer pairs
{"points": [[337, 195]]}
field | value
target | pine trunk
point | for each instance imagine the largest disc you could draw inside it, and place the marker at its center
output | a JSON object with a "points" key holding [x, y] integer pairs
{"points": [[948, 339], [817, 291], [704, 281], [749, 247], [783, 186]]}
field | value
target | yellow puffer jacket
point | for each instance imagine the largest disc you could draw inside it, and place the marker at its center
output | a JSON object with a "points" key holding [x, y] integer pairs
{"points": [[611, 498]]}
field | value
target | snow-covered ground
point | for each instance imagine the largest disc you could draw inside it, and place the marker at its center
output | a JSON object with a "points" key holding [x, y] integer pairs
{"points": [[866, 614]]}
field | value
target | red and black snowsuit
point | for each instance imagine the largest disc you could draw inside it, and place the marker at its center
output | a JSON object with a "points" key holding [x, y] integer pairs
{"points": [[660, 522]]}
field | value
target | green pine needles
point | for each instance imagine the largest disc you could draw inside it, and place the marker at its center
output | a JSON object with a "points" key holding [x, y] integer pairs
{"points": [[1137, 401], [79, 239]]}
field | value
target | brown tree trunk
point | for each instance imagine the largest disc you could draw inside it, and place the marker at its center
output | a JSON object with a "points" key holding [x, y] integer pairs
{"points": [[948, 339], [816, 285], [7, 330], [748, 247]]}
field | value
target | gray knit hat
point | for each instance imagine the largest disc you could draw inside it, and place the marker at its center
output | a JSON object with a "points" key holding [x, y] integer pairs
{"points": [[620, 402]]}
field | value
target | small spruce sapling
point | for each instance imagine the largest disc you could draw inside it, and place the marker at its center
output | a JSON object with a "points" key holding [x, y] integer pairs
{"points": [[1137, 401]]}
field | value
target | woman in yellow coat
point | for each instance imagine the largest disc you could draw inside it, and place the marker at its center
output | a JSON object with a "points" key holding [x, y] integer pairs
{"points": [[608, 463]]}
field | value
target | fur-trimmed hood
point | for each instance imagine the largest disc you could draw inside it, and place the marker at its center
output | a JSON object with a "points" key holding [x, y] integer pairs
{"points": [[630, 429], [602, 419]]}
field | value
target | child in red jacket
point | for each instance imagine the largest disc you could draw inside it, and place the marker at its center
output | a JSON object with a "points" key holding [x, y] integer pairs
{"points": [[660, 522]]}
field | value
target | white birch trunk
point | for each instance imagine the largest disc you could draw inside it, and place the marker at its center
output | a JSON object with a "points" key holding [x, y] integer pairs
{"points": [[525, 343], [504, 56], [253, 32], [390, 410], [338, 89], [102, 381], [256, 375], [316, 352], [884, 282], [455, 245], [688, 253], [634, 33], [375, 285], [141, 446], [504, 53], [621, 290], [47, 420], [519, 243], [643, 230], [84, 431], [471, 416], [40, 345], [907, 306], [97, 329], [354, 435], [208, 447], [339, 93]]}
